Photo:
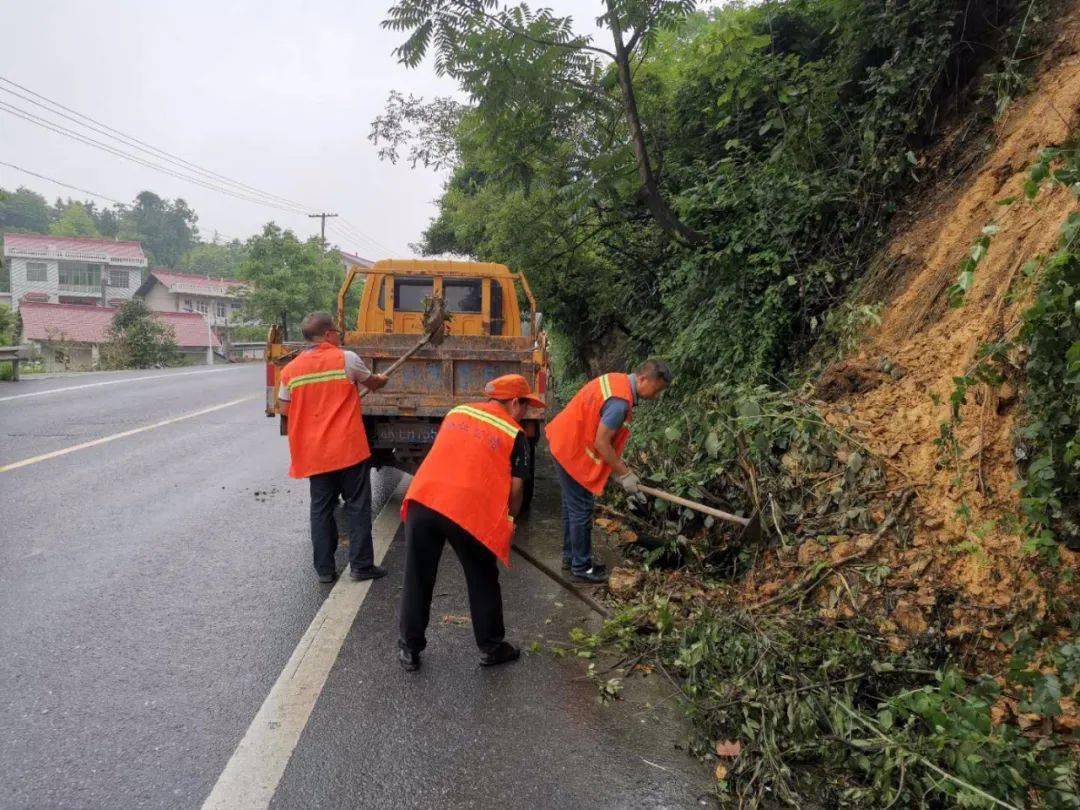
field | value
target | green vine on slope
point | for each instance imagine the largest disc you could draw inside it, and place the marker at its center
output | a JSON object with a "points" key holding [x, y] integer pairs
{"points": [[1049, 438]]}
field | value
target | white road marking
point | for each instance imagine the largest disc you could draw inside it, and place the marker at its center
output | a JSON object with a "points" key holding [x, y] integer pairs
{"points": [[105, 439], [114, 382], [252, 774]]}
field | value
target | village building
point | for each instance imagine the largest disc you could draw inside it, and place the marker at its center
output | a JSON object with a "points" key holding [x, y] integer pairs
{"points": [[350, 259], [69, 337], [219, 300], [71, 270]]}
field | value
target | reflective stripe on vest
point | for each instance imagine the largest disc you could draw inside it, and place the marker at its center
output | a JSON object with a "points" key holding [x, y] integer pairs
{"points": [[326, 430], [466, 475], [605, 387], [572, 433], [316, 377], [487, 419]]}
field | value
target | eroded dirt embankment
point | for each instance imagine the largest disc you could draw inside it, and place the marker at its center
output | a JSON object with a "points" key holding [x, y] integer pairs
{"points": [[965, 543]]}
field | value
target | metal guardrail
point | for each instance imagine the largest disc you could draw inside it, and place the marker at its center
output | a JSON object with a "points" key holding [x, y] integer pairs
{"points": [[14, 355]]}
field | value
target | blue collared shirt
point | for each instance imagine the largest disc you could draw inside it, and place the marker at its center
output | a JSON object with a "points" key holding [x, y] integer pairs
{"points": [[615, 410]]}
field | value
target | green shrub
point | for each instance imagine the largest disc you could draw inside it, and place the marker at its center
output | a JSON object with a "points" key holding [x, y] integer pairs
{"points": [[136, 339]]}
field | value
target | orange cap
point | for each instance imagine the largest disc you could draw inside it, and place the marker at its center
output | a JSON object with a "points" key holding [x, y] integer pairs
{"points": [[513, 386]]}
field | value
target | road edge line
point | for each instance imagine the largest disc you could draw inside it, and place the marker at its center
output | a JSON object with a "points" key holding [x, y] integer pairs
{"points": [[48, 391], [252, 775], [63, 451]]}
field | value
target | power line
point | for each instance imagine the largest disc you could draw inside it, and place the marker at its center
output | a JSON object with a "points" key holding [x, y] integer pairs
{"points": [[60, 182], [349, 227], [367, 236], [209, 179], [350, 234], [366, 242], [133, 142], [87, 140], [351, 239], [92, 193]]}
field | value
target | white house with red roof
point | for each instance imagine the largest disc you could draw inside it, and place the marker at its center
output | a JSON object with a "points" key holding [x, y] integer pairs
{"points": [[72, 269], [69, 336], [219, 300]]}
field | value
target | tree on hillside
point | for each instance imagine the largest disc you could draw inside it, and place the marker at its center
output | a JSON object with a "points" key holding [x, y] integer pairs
{"points": [[74, 220], [213, 260], [538, 85], [23, 210], [136, 339], [289, 275], [167, 229], [107, 221]]}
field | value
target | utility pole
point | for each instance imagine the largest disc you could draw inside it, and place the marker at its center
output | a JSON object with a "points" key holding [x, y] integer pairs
{"points": [[322, 225]]}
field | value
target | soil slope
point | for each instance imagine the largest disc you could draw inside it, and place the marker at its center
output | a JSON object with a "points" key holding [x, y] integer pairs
{"points": [[924, 344]]}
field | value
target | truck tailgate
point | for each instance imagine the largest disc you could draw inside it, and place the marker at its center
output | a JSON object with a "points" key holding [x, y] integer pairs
{"points": [[437, 379]]}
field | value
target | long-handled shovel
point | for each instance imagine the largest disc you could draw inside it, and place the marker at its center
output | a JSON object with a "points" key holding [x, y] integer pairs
{"points": [[751, 526], [435, 319]]}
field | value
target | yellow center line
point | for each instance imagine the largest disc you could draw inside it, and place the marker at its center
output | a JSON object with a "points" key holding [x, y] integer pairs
{"points": [[105, 439]]}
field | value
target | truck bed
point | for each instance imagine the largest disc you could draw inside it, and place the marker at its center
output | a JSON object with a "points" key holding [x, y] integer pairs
{"points": [[438, 378]]}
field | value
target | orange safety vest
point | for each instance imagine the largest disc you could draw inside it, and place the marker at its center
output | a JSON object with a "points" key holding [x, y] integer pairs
{"points": [[326, 432], [571, 434], [466, 474]]}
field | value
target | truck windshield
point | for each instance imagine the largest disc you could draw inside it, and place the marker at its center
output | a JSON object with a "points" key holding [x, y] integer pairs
{"points": [[463, 294], [409, 293]]}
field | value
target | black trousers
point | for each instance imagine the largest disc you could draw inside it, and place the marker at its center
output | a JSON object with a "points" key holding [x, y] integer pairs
{"points": [[353, 486], [425, 533]]}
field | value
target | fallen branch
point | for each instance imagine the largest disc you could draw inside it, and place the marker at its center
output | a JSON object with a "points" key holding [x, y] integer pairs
{"points": [[801, 587], [956, 780]]}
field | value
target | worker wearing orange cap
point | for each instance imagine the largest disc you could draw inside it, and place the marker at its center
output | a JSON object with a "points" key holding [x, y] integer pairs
{"points": [[467, 491]]}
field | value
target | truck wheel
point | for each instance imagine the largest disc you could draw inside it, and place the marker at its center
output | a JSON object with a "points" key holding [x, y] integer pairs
{"points": [[527, 495]]}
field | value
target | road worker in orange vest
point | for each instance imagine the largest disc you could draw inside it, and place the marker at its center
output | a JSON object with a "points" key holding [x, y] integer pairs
{"points": [[467, 492], [586, 440], [328, 445]]}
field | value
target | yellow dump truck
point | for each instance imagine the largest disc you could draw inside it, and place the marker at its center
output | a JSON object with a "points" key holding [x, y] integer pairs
{"points": [[494, 330]]}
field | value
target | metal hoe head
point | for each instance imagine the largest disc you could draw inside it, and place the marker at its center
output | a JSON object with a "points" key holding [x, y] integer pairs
{"points": [[435, 319], [751, 532]]}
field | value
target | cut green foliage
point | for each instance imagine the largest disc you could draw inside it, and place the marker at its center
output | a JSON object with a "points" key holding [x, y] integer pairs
{"points": [[829, 716]]}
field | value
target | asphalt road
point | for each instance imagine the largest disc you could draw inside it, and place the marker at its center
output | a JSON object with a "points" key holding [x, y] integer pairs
{"points": [[153, 586]]}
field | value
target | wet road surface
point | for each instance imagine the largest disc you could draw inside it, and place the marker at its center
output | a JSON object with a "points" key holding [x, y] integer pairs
{"points": [[153, 587]]}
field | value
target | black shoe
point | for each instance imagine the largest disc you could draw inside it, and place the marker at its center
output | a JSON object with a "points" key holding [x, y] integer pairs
{"points": [[565, 565], [326, 579], [409, 660], [371, 572], [503, 654], [594, 576]]}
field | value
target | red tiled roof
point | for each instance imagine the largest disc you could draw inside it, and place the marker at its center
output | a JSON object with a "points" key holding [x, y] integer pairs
{"points": [[196, 285], [352, 258], [85, 324], [73, 246]]}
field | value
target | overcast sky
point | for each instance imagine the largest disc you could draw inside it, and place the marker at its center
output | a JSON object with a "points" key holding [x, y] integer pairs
{"points": [[277, 95]]}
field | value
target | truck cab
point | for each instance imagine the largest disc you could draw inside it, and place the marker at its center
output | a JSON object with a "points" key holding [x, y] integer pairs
{"points": [[493, 330]]}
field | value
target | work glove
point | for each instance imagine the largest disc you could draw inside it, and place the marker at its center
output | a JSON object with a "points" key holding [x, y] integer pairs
{"points": [[629, 482]]}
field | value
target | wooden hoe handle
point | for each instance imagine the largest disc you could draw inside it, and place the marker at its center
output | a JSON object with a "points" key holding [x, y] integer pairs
{"points": [[697, 507], [397, 363]]}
